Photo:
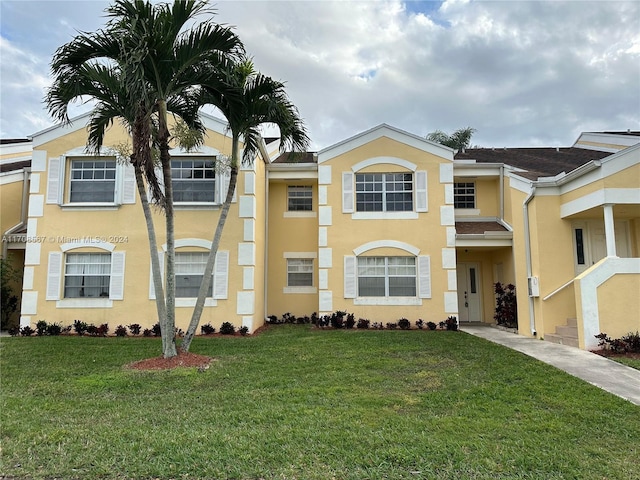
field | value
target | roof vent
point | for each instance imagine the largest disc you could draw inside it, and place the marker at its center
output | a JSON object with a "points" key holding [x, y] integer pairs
{"points": [[557, 149]]}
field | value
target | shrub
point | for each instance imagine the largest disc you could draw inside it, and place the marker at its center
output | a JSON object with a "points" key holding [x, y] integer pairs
{"points": [[273, 320], [314, 318], [363, 323], [134, 328], [244, 331], [392, 325], [377, 326], [351, 321], [451, 323], [633, 341], [506, 305], [121, 331], [155, 330], [404, 324], [41, 328], [147, 332], [227, 328], [26, 331], [54, 329], [14, 331], [420, 323], [80, 327], [337, 319], [207, 329], [102, 330], [629, 343], [431, 325]]}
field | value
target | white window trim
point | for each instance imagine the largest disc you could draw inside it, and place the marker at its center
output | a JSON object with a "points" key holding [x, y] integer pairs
{"points": [[304, 289], [288, 214], [310, 188]]}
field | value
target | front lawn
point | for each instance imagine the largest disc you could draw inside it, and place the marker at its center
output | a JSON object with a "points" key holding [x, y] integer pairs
{"points": [[299, 403]]}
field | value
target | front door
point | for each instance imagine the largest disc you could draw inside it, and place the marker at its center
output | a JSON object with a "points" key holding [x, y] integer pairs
{"points": [[469, 301]]}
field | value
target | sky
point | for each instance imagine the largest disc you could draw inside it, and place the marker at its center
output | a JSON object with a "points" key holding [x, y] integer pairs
{"points": [[521, 73]]}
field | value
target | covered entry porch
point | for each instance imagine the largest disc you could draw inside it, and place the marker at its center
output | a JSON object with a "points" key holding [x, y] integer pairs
{"points": [[484, 256]]}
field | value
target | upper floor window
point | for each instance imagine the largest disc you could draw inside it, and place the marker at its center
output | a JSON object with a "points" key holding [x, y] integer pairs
{"points": [[386, 276], [300, 198], [464, 195], [193, 180], [384, 192], [92, 181], [299, 272], [189, 267], [87, 275]]}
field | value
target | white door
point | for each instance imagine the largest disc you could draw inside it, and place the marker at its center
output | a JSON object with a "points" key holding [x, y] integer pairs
{"points": [[469, 299], [590, 243]]}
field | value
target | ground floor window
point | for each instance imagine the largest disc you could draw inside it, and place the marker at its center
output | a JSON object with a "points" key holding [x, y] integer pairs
{"points": [[87, 275], [189, 268], [299, 272], [386, 276]]}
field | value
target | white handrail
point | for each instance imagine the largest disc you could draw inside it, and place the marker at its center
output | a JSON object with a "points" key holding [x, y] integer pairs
{"points": [[557, 290]]}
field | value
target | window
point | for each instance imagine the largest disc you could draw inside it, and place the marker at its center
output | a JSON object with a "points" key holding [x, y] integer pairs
{"points": [[92, 181], [87, 275], [193, 180], [384, 192], [386, 276], [464, 195], [299, 272], [189, 267], [300, 198]]}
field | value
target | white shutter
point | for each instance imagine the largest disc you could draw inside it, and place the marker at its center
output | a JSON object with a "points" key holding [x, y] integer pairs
{"points": [[347, 192], [129, 185], [221, 275], [422, 200], [350, 267], [55, 178], [424, 276], [152, 288], [54, 274], [116, 282]]}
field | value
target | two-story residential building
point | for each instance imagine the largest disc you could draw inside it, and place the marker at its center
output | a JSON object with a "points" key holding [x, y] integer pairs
{"points": [[384, 224]]}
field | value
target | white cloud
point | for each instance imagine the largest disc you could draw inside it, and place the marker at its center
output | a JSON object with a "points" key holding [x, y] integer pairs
{"points": [[521, 73]]}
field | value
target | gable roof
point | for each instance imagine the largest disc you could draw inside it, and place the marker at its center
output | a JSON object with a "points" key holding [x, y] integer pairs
{"points": [[295, 157], [384, 130], [536, 162]]}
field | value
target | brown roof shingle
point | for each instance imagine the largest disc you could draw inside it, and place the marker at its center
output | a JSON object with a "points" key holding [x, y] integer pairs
{"points": [[538, 162], [296, 157]]}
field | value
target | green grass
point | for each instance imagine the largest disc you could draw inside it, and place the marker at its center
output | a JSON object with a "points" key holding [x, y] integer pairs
{"points": [[297, 403], [630, 362]]}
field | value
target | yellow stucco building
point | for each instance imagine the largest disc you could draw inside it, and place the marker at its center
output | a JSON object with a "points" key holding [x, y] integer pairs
{"points": [[385, 225]]}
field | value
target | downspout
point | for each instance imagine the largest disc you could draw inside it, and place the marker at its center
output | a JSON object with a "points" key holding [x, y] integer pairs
{"points": [[266, 242], [502, 192], [24, 208], [527, 251]]}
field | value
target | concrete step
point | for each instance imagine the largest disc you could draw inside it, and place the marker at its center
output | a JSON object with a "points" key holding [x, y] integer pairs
{"points": [[570, 332], [572, 342], [553, 338], [572, 322]]}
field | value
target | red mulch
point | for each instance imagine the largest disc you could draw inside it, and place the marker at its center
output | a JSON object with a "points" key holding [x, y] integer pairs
{"points": [[181, 360], [610, 354]]}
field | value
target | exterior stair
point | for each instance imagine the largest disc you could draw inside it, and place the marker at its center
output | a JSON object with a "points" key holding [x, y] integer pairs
{"points": [[566, 334]]}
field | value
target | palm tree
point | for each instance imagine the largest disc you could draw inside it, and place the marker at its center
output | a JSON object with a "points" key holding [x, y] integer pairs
{"points": [[458, 140], [250, 101], [160, 66]]}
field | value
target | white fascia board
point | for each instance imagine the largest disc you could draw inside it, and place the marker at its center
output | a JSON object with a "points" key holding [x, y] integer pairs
{"points": [[469, 241], [519, 183], [476, 169], [43, 136], [214, 123], [297, 171], [380, 131], [15, 148], [606, 138]]}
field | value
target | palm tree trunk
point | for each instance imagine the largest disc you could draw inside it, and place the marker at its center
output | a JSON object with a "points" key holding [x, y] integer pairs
{"points": [[169, 332], [208, 270], [153, 250]]}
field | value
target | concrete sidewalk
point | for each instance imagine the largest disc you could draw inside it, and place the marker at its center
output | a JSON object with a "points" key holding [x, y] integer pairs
{"points": [[606, 374]]}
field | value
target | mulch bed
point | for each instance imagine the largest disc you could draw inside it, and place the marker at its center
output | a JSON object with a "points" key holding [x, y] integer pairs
{"points": [[181, 360], [610, 354]]}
